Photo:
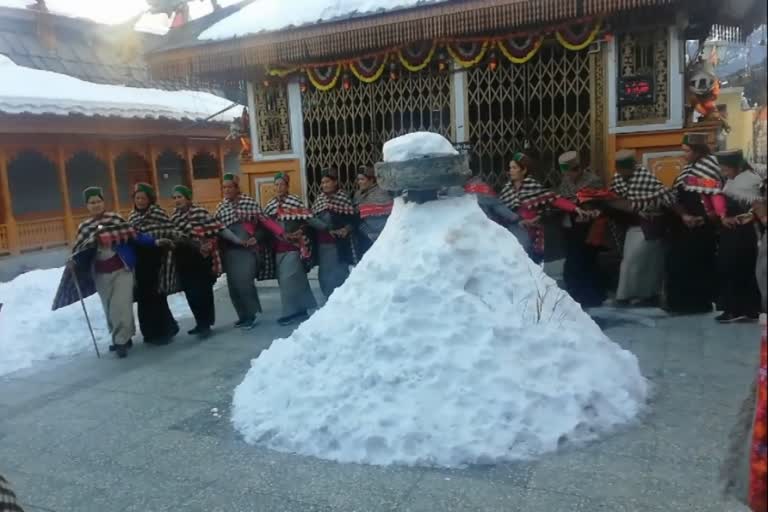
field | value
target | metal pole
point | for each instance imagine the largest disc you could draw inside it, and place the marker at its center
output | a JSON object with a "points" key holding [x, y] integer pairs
{"points": [[85, 311]]}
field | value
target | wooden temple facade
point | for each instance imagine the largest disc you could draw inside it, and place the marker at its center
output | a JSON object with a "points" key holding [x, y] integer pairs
{"points": [[49, 152], [495, 76]]}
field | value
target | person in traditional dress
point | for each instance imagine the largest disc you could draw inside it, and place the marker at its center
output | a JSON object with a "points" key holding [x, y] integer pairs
{"points": [[241, 214], [374, 206], [102, 261], [641, 273], [528, 198], [8, 502], [155, 271], [293, 253], [691, 265], [760, 211], [496, 210], [198, 262], [333, 220], [737, 252], [581, 271]]}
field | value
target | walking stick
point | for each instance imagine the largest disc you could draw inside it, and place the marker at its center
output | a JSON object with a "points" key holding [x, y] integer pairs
{"points": [[85, 311]]}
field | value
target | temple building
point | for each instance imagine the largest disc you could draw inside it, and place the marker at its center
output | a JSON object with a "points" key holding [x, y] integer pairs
{"points": [[78, 108], [326, 86]]}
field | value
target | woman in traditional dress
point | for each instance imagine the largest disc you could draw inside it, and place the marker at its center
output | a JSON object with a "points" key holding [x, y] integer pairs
{"points": [[581, 271], [240, 214], [737, 253], [528, 198], [496, 210], [374, 205], [760, 210], [8, 502], [333, 220], [102, 261], [293, 254], [641, 274], [155, 271], [691, 266], [198, 262]]}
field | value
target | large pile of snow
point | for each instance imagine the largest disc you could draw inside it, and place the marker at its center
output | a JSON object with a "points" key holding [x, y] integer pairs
{"points": [[267, 15], [32, 91], [417, 145], [30, 331], [446, 346]]}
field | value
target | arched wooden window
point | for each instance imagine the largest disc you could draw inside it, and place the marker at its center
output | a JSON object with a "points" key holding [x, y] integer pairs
{"points": [[171, 171], [85, 169], [205, 167], [34, 183], [130, 169]]}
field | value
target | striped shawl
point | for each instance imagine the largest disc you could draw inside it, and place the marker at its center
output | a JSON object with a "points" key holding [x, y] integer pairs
{"points": [[196, 224], [245, 209], [155, 222], [338, 203], [291, 210], [531, 195], [702, 176], [643, 190], [374, 202]]}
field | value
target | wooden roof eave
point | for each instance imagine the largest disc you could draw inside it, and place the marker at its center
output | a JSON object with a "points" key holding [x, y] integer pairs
{"points": [[363, 34]]}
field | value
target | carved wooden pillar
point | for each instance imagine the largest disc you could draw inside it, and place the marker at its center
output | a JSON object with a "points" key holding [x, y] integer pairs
{"points": [[61, 168], [112, 177], [190, 171], [153, 168], [5, 189]]}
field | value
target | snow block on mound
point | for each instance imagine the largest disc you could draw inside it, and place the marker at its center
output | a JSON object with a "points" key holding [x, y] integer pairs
{"points": [[446, 346]]}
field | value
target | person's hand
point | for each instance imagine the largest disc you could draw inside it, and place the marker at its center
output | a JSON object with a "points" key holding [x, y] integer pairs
{"points": [[730, 222], [343, 232], [692, 221], [251, 242]]}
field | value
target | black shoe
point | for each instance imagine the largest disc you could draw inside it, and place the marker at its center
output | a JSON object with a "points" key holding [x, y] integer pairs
{"points": [[243, 323], [196, 330], [113, 347], [121, 351], [729, 318], [292, 319], [204, 333]]}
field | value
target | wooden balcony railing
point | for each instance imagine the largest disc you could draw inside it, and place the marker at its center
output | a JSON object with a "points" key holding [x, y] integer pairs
{"points": [[42, 234], [5, 243]]}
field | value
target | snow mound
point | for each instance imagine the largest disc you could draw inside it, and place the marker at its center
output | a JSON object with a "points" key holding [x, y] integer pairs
{"points": [[30, 331], [446, 346], [417, 145]]}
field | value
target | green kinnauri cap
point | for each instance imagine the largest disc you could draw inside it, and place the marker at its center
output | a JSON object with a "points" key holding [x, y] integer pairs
{"points": [[282, 176], [182, 190], [626, 159], [234, 178], [93, 192], [146, 188]]}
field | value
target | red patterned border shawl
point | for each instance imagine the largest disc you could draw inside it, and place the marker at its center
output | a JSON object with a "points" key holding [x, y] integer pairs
{"points": [[530, 200], [703, 177], [155, 222], [109, 229], [758, 460], [291, 212], [340, 206], [197, 224]]}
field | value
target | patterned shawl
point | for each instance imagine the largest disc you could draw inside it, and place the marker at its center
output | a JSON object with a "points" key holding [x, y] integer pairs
{"points": [[289, 207], [374, 202], [155, 222], [477, 186], [245, 209], [111, 228], [531, 194], [339, 203], [702, 176], [643, 189], [569, 189], [195, 223]]}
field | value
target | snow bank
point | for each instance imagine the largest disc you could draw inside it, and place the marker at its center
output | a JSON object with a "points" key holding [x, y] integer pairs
{"points": [[30, 331], [446, 346], [417, 145], [266, 15], [27, 90]]}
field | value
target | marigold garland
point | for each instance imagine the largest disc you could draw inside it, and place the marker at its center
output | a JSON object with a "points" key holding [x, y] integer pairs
{"points": [[520, 54], [324, 78], [470, 57], [281, 72], [369, 73], [577, 41], [418, 60]]}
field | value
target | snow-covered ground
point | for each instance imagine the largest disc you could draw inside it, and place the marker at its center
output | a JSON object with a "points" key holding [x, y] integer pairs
{"points": [[30, 331], [446, 346]]}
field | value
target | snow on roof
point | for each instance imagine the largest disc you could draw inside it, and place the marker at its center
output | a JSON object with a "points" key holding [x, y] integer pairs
{"points": [[268, 15], [31, 91]]}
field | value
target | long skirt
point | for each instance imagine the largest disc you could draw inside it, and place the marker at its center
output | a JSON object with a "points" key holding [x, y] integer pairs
{"points": [[155, 318], [295, 293], [691, 270], [581, 272], [242, 267], [737, 255], [332, 271], [116, 292], [641, 275], [196, 279]]}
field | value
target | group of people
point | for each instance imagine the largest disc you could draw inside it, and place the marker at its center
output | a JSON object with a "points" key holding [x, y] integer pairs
{"points": [[153, 254], [694, 244]]}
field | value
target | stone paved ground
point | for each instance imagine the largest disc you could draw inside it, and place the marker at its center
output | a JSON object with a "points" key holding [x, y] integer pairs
{"points": [[86, 435]]}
